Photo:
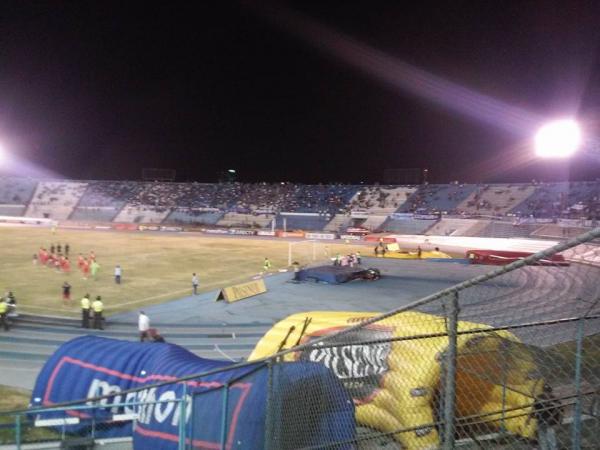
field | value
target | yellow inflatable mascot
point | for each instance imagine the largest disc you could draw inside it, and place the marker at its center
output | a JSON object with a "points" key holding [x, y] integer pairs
{"points": [[393, 370]]}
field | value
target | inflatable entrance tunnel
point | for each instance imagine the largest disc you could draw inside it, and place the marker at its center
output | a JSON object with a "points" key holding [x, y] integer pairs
{"points": [[228, 409], [393, 371]]}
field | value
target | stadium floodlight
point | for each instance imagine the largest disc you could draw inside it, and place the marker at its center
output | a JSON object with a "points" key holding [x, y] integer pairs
{"points": [[558, 139], [231, 171]]}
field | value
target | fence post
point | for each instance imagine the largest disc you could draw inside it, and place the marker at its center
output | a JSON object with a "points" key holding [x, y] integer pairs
{"points": [[182, 417], [450, 381], [93, 428], [504, 381], [576, 438], [18, 431], [192, 421], [269, 405], [224, 412]]}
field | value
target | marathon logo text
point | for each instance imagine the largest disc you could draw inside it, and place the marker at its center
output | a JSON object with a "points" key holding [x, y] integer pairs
{"points": [[163, 408], [353, 361]]}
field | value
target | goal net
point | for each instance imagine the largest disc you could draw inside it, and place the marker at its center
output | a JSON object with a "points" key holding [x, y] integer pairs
{"points": [[308, 252]]}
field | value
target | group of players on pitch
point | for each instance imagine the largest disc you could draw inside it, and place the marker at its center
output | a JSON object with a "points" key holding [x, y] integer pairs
{"points": [[92, 311], [55, 258]]}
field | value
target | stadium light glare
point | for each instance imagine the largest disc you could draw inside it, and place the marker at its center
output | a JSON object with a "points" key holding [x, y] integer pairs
{"points": [[558, 139], [2, 154], [231, 171]]}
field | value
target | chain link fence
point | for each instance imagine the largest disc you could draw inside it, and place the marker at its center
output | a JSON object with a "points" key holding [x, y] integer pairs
{"points": [[506, 360]]}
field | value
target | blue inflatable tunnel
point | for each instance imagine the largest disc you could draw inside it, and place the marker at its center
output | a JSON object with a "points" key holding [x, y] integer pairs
{"points": [[307, 403]]}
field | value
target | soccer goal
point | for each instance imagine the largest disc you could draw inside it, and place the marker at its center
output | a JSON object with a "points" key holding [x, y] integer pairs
{"points": [[308, 251]]}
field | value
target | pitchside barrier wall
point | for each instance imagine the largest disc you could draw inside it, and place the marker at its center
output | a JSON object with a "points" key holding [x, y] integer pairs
{"points": [[509, 359], [32, 221]]}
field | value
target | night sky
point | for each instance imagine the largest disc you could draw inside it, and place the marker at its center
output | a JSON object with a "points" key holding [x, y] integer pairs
{"points": [[101, 90]]}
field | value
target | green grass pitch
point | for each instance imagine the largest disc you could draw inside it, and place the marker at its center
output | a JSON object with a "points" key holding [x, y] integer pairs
{"points": [[156, 267]]}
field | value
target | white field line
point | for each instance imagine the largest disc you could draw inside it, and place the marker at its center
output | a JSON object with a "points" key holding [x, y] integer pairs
{"points": [[180, 291], [153, 297], [206, 288]]}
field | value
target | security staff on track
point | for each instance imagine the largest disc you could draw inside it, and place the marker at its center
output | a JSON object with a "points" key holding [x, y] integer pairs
{"points": [[98, 307], [4, 314], [266, 265], [85, 311]]}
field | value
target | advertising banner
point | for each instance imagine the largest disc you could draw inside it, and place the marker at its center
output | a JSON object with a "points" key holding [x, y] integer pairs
{"points": [[384, 239], [76, 225], [215, 231], [241, 291], [358, 231], [171, 229], [242, 232], [532, 220], [426, 216], [148, 228], [324, 236], [125, 226], [350, 237], [571, 222], [265, 233], [357, 214], [401, 216], [284, 234]]}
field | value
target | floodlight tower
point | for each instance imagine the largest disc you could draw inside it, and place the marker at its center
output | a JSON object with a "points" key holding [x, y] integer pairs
{"points": [[558, 139], [561, 139]]}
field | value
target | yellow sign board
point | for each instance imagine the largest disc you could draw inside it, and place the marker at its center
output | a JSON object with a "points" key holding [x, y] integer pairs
{"points": [[241, 291]]}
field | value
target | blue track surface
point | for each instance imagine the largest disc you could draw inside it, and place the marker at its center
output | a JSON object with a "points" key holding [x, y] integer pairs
{"points": [[402, 282], [221, 330]]}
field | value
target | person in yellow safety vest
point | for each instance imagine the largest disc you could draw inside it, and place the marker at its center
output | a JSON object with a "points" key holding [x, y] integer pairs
{"points": [[266, 265], [98, 307], [4, 314], [85, 311]]}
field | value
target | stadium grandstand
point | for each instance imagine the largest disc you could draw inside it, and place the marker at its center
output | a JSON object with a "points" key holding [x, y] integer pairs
{"points": [[504, 210]]}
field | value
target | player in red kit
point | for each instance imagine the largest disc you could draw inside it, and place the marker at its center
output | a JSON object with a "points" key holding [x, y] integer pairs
{"points": [[85, 268], [65, 264]]}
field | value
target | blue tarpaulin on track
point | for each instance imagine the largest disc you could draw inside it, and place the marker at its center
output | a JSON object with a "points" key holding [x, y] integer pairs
{"points": [[329, 274], [91, 366]]}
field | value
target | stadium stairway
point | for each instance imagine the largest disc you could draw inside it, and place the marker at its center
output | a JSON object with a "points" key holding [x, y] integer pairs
{"points": [[32, 339], [55, 199], [132, 213], [338, 223], [374, 222], [245, 220]]}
